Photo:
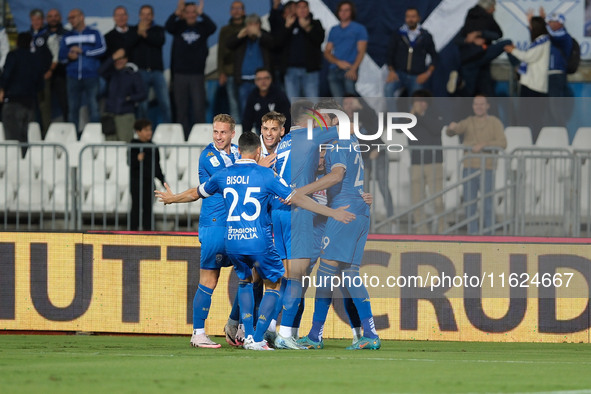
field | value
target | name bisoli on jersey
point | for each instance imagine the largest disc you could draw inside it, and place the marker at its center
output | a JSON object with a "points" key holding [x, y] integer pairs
{"points": [[237, 180], [238, 234]]}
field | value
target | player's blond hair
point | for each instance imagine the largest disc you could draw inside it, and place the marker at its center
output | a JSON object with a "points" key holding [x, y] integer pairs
{"points": [[225, 118], [274, 116]]}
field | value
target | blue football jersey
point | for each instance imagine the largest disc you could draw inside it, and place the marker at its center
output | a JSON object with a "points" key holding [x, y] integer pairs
{"points": [[349, 191], [297, 156], [247, 190], [212, 160]]}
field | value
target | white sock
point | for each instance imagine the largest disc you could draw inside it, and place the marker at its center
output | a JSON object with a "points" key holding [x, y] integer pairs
{"points": [[295, 332], [232, 322], [285, 332], [356, 332], [272, 326], [197, 331]]}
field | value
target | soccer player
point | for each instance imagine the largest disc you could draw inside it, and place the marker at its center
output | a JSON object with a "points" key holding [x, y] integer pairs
{"points": [[272, 129], [342, 248], [247, 189], [297, 162], [219, 154]]}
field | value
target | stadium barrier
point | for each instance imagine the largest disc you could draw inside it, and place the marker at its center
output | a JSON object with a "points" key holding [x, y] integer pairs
{"points": [[144, 284]]}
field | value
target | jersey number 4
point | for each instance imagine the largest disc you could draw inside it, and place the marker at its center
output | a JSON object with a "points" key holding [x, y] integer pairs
{"points": [[248, 199]]}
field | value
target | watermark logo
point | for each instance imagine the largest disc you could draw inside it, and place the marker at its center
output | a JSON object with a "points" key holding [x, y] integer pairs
{"points": [[346, 128]]}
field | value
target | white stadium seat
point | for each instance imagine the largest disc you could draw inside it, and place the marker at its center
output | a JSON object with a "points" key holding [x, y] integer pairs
{"points": [[553, 137], [61, 133], [582, 139], [93, 134], [34, 132], [201, 134]]}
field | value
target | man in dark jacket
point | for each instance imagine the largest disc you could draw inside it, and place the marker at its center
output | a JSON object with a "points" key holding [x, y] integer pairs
{"points": [[477, 50], [252, 47], [426, 169], [144, 166], [57, 90], [264, 98], [302, 35], [190, 28], [226, 58], [125, 89], [20, 82], [40, 48], [407, 56], [121, 36], [147, 55]]}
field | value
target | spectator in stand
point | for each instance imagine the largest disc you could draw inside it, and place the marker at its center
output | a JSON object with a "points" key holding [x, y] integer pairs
{"points": [[480, 131], [57, 82], [81, 50], [426, 169], [125, 89], [39, 46], [251, 48], [302, 34], [477, 50], [226, 57], [277, 17], [368, 124], [147, 55], [144, 166], [535, 60], [345, 49], [190, 28], [562, 46], [20, 82], [407, 56], [264, 98], [121, 36]]}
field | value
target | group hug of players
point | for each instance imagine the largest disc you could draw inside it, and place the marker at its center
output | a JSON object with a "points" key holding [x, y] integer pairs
{"points": [[257, 216]]}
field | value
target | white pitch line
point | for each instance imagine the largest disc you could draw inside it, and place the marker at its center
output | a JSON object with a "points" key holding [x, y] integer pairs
{"points": [[245, 355]]}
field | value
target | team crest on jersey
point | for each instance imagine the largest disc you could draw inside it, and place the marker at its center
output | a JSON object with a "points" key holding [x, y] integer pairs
{"points": [[214, 161]]}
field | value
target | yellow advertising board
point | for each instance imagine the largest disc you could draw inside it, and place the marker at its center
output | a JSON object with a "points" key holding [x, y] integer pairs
{"points": [[125, 283]]}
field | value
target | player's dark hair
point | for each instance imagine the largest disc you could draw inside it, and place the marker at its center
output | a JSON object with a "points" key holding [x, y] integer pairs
{"points": [[300, 109], [275, 116], [141, 124], [328, 103], [353, 8], [249, 142]]}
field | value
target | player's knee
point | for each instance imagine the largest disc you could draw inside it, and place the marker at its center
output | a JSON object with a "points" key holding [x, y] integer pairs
{"points": [[209, 278], [272, 285]]}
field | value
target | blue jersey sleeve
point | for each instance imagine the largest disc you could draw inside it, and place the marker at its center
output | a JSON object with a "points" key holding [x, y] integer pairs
{"points": [[205, 167], [212, 186], [278, 186], [324, 136]]}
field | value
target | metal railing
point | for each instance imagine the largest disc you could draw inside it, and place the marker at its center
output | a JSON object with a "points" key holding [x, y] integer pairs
{"points": [[535, 191]]}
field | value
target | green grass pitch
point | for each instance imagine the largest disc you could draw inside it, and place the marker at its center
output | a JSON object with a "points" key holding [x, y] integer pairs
{"points": [[135, 364]]}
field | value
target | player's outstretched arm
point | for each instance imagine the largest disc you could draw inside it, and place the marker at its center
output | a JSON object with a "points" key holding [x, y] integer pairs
{"points": [[340, 214], [168, 197], [327, 181]]}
